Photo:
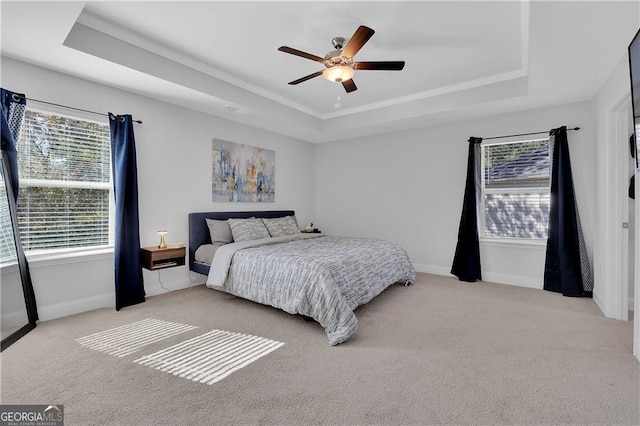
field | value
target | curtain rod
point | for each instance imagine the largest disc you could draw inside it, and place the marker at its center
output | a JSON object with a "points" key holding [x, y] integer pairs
{"points": [[522, 134], [17, 98]]}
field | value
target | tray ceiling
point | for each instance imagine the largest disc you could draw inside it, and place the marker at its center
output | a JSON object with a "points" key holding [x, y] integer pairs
{"points": [[463, 59]]}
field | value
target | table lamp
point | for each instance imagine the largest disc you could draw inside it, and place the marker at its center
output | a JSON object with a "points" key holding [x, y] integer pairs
{"points": [[162, 243]]}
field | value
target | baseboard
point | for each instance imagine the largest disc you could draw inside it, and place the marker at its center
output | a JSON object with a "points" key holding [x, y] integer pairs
{"points": [[599, 303], [153, 289], [77, 306], [516, 280], [14, 320], [631, 306], [432, 269]]}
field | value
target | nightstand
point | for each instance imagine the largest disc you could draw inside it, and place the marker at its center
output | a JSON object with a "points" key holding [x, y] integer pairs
{"points": [[154, 258]]}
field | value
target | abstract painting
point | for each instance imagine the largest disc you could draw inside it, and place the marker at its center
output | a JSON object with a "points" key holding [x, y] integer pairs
{"points": [[243, 172]]}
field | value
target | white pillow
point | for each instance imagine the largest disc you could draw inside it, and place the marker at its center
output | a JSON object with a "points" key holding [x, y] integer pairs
{"points": [[220, 231], [248, 229], [282, 226]]}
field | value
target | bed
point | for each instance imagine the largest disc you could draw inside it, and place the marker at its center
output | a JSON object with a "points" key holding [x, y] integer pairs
{"points": [[315, 275]]}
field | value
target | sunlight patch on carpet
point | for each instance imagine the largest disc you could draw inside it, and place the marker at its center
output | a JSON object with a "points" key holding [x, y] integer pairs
{"points": [[130, 338], [210, 357]]}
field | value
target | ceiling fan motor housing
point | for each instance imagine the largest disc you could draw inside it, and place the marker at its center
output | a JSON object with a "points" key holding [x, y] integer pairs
{"points": [[335, 58]]}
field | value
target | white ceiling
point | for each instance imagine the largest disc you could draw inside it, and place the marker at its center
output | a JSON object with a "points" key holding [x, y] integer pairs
{"points": [[463, 59]]}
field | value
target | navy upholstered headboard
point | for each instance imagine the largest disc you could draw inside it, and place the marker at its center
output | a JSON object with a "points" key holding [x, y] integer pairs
{"points": [[199, 231]]}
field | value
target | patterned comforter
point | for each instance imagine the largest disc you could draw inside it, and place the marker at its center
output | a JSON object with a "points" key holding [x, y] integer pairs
{"points": [[322, 277]]}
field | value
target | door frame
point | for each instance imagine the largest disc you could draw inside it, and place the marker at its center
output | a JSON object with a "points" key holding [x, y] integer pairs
{"points": [[614, 303], [616, 212]]}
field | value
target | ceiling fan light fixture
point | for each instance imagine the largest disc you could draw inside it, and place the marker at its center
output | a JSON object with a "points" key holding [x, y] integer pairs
{"points": [[338, 73]]}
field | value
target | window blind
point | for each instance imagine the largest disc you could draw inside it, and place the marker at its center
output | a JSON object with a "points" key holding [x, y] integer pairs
{"points": [[515, 185], [65, 182], [517, 165]]}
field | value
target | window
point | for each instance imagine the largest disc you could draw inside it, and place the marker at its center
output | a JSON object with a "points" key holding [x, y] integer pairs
{"points": [[515, 189], [65, 198]]}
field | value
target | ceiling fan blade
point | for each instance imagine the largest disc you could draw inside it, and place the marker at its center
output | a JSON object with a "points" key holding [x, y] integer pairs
{"points": [[379, 65], [349, 85], [302, 54], [359, 38], [306, 77]]}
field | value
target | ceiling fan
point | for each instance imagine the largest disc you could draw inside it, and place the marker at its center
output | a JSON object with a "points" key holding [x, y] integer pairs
{"points": [[339, 64]]}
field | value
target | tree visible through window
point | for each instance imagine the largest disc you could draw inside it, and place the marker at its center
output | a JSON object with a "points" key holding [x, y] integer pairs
{"points": [[65, 182], [515, 189]]}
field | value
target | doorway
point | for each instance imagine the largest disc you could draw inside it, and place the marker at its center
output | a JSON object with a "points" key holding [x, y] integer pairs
{"points": [[621, 267], [630, 235]]}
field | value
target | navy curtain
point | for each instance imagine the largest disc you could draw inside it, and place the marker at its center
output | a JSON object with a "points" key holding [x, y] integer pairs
{"points": [[13, 106], [567, 267], [466, 261], [128, 269]]}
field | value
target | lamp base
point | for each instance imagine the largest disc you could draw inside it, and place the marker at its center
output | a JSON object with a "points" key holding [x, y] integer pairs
{"points": [[162, 245]]}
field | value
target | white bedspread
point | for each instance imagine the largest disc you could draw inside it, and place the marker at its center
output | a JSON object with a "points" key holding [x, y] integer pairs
{"points": [[323, 277]]}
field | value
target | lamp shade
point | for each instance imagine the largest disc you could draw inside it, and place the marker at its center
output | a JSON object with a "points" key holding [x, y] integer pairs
{"points": [[338, 73]]}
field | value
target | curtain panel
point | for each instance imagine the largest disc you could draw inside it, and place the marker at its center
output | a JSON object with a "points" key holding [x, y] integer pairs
{"points": [[128, 269], [13, 106], [466, 261], [567, 266]]}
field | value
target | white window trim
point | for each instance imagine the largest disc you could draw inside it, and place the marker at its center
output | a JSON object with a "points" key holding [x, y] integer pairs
{"points": [[39, 183], [516, 191], [513, 242], [46, 258]]}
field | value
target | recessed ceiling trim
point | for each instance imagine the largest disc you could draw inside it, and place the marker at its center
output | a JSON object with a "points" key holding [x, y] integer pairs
{"points": [[496, 78], [113, 29], [485, 81], [524, 35]]}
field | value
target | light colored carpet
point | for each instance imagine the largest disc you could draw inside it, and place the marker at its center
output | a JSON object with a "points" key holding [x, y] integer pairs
{"points": [[130, 338], [210, 357], [438, 352]]}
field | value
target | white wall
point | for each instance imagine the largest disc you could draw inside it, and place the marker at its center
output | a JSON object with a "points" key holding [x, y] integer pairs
{"points": [[405, 186], [174, 178], [611, 106], [408, 186]]}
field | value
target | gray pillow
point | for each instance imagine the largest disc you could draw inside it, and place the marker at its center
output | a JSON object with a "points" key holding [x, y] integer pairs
{"points": [[220, 231], [248, 229], [282, 226], [205, 253]]}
